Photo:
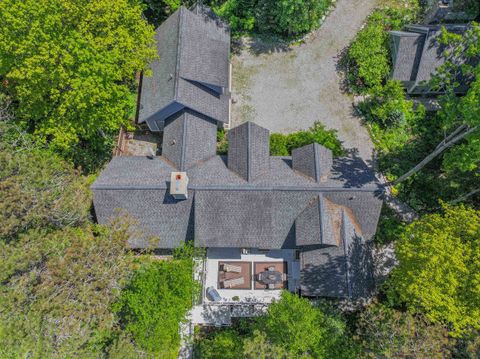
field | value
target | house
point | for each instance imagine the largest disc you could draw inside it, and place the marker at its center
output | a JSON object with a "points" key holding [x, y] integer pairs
{"points": [[417, 54], [301, 222], [437, 11]]}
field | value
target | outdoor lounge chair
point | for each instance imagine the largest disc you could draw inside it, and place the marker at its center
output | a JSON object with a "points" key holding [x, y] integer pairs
{"points": [[232, 268], [229, 283]]}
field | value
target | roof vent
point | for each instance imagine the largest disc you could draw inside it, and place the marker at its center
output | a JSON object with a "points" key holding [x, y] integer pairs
{"points": [[178, 185]]}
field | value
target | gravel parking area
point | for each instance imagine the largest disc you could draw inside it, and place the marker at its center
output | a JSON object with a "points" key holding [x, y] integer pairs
{"points": [[289, 88]]}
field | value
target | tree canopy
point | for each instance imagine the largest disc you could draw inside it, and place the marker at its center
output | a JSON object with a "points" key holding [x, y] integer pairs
{"points": [[69, 66], [155, 302], [291, 328], [439, 268]]}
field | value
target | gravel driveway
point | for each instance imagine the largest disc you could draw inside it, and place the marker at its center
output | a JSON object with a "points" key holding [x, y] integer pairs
{"points": [[287, 89]]}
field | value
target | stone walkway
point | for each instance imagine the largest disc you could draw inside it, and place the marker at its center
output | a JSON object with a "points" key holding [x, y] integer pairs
{"points": [[289, 88]]}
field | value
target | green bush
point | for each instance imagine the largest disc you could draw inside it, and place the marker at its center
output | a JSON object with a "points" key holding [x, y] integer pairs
{"points": [[278, 144], [155, 302], [282, 145], [240, 14], [388, 106], [368, 57], [390, 227]]}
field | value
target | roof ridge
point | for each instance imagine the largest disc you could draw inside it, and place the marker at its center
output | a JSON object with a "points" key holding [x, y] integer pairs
{"points": [[345, 252], [179, 42], [316, 157]]}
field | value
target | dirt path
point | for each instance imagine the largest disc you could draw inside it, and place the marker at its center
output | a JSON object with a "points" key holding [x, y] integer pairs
{"points": [[286, 89]]}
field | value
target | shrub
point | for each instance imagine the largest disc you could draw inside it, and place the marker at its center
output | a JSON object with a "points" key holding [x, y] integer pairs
{"points": [[389, 107], [368, 57], [278, 144], [240, 14], [282, 145], [291, 328]]}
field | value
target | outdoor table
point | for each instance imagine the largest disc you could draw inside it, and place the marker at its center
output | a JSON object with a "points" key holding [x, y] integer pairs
{"points": [[270, 277]]}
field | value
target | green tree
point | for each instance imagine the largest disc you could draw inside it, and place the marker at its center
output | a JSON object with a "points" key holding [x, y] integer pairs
{"points": [[37, 187], [290, 17], [155, 302], [224, 344], [439, 268], [240, 14], [69, 66], [258, 347], [57, 289], [302, 330], [384, 332]]}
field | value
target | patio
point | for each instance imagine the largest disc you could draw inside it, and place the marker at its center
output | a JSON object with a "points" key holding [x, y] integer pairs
{"points": [[250, 265]]}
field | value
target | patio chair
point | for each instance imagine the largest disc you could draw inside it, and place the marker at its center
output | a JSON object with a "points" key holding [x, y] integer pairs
{"points": [[229, 283], [271, 286], [231, 268], [271, 268]]}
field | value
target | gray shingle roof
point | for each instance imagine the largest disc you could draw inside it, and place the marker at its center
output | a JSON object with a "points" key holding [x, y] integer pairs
{"points": [[192, 70], [290, 194], [343, 271], [189, 138], [417, 53], [316, 224], [249, 151], [313, 160]]}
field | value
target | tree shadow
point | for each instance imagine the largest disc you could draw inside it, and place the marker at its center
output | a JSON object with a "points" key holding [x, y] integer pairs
{"points": [[332, 274], [258, 44], [353, 171]]}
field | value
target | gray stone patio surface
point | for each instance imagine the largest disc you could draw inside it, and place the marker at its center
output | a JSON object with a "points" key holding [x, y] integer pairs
{"points": [[289, 88]]}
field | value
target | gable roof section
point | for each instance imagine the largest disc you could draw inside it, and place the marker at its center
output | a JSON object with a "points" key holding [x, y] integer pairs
{"points": [[189, 138], [249, 150], [343, 271], [312, 160], [417, 52], [192, 70], [316, 225], [406, 52]]}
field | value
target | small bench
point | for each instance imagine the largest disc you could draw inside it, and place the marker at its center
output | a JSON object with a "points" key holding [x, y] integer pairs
{"points": [[230, 268], [229, 283]]}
